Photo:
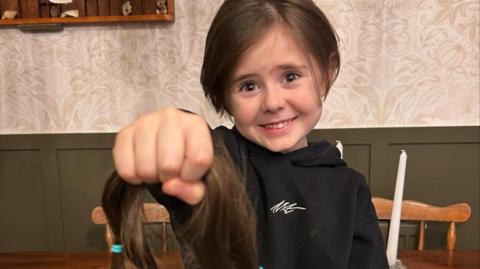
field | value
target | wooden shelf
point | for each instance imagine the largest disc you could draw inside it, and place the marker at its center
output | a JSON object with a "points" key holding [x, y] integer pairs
{"points": [[37, 12]]}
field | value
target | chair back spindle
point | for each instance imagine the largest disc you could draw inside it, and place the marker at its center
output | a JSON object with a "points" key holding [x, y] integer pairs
{"points": [[152, 212]]}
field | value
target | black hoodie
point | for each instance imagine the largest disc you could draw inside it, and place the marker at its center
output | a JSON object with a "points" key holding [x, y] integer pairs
{"points": [[312, 210]]}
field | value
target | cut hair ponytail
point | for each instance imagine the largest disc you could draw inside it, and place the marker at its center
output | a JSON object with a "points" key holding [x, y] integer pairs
{"points": [[219, 232]]}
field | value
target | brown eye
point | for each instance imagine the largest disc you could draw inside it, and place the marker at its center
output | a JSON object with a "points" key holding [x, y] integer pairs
{"points": [[289, 77], [248, 86]]}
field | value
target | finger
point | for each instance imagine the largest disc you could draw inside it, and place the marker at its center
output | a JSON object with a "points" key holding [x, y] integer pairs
{"points": [[170, 150], [123, 156], [198, 151], [145, 144], [191, 193]]}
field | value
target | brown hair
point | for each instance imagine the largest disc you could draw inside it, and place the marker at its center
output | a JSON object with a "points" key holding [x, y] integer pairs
{"points": [[239, 23], [219, 233]]}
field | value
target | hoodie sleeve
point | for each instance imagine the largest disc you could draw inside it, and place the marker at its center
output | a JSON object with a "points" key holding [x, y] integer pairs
{"points": [[368, 249]]}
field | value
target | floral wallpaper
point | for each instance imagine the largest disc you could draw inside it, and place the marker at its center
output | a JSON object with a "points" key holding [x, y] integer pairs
{"points": [[404, 63]]}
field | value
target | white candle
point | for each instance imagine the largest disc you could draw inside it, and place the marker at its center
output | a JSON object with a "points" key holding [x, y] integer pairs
{"points": [[392, 244], [340, 148]]}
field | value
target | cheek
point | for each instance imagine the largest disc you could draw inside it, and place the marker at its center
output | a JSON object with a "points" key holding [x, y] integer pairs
{"points": [[309, 101], [243, 115], [240, 111]]}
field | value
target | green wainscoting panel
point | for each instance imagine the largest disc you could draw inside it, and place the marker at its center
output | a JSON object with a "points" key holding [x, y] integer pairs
{"points": [[23, 221], [82, 173], [49, 183], [358, 156]]}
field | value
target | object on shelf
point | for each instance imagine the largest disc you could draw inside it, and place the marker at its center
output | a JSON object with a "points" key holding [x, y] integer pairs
{"points": [[60, 1], [161, 7], [70, 13], [9, 14], [45, 12], [126, 8], [54, 11]]}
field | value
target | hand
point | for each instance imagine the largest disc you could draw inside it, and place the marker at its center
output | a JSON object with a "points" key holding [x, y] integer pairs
{"points": [[170, 146]]}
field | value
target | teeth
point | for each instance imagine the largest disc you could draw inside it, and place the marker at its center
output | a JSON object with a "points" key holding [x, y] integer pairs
{"points": [[277, 125]]}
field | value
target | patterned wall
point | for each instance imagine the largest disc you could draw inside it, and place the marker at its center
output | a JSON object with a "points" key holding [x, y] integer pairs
{"points": [[404, 63]]}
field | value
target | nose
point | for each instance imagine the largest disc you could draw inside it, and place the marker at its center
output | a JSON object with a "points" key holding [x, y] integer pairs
{"points": [[273, 100]]}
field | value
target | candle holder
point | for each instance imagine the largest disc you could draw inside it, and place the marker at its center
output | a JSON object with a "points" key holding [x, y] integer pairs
{"points": [[398, 265]]}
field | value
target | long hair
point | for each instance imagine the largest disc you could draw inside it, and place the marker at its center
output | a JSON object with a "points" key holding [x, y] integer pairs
{"points": [[240, 23], [219, 233]]}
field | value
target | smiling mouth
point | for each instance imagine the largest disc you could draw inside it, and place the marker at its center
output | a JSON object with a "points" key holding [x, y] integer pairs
{"points": [[279, 124]]}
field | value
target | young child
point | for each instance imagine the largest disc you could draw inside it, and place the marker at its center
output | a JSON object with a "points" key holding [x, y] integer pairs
{"points": [[268, 64]]}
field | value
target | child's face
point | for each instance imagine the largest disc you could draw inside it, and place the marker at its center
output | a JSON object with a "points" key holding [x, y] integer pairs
{"points": [[273, 97]]}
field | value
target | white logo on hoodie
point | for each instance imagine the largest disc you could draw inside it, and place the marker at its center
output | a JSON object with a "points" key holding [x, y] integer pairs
{"points": [[286, 207]]}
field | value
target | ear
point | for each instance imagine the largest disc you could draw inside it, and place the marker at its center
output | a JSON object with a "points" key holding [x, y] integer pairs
{"points": [[333, 67], [322, 90]]}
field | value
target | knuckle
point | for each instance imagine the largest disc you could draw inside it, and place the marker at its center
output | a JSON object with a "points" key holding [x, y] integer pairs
{"points": [[170, 111], [145, 170], [144, 124], [165, 116], [146, 174], [198, 120], [146, 121], [203, 159], [122, 136], [127, 175], [169, 167]]}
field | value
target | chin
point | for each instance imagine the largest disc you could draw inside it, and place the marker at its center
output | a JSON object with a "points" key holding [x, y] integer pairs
{"points": [[284, 148], [282, 144]]}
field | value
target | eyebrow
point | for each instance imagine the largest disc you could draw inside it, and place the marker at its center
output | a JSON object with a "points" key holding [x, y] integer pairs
{"points": [[242, 77], [291, 66], [281, 67]]}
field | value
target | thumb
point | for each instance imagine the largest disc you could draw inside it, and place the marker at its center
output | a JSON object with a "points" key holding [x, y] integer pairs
{"points": [[190, 192]]}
